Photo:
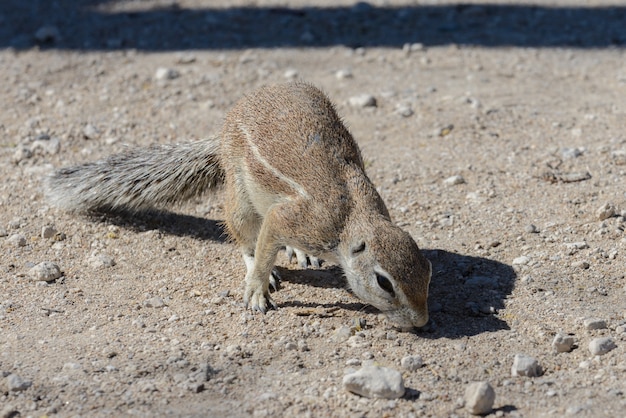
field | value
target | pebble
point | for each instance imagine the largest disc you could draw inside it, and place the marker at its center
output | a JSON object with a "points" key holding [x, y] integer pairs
{"points": [[9, 411], [601, 346], [341, 334], [524, 365], [290, 73], [570, 153], [594, 323], [375, 382], [362, 100], [404, 111], [163, 73], [90, 131], [48, 232], [21, 153], [155, 302], [479, 398], [563, 343], [17, 240], [606, 211], [98, 261], [520, 261], [3, 232], [45, 271], [16, 384], [454, 180], [411, 363], [343, 73], [531, 229]]}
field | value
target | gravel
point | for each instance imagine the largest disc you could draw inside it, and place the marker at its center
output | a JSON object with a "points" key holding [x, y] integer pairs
{"points": [[529, 112]]}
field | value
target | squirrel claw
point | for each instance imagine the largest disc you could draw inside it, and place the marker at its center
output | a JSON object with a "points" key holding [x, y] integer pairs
{"points": [[302, 259], [275, 280], [258, 300]]}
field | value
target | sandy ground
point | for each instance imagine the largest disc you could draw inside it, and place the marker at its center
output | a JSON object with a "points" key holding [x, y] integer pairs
{"points": [[526, 103]]}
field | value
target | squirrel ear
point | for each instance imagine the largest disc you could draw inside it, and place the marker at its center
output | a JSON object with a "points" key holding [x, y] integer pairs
{"points": [[359, 248]]}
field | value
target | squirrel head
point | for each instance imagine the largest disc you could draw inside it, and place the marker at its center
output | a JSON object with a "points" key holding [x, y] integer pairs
{"points": [[386, 269]]}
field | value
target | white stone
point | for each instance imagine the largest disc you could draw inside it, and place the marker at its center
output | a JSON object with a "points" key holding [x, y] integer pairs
{"points": [[606, 211], [163, 73], [479, 398], [520, 261], [454, 180], [17, 240], [362, 100], [594, 323], [375, 382], [45, 271], [601, 346], [15, 383], [411, 363], [98, 261], [563, 343], [524, 365]]}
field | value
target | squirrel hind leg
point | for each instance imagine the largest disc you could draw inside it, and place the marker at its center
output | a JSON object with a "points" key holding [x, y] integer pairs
{"points": [[302, 258]]}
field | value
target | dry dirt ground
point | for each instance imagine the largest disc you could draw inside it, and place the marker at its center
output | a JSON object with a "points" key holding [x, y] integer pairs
{"points": [[527, 103]]}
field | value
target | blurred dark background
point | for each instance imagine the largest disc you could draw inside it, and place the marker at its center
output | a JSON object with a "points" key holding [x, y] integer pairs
{"points": [[91, 25]]}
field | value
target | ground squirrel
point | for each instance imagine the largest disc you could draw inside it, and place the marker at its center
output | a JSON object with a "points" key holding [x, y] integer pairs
{"points": [[293, 176]]}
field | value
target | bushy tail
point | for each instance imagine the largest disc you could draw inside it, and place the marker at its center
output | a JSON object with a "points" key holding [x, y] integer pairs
{"points": [[141, 178]]}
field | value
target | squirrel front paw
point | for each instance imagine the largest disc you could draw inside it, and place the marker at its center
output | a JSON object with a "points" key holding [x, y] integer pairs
{"points": [[303, 260], [257, 297]]}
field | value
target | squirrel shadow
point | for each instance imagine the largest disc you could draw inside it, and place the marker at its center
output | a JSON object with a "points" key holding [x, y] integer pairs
{"points": [[171, 223], [465, 291]]}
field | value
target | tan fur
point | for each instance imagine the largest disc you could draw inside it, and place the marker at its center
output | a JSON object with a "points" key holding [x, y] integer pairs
{"points": [[294, 177]]}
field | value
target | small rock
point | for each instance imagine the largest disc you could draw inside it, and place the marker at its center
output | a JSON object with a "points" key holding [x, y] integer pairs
{"points": [[155, 302], [594, 323], [375, 382], [531, 229], [48, 232], [362, 100], [98, 261], [581, 265], [17, 240], [601, 346], [3, 232], [16, 384], [45, 271], [524, 365], [479, 398], [343, 73], [90, 131], [341, 334], [290, 73], [454, 180], [9, 411], [563, 343], [48, 33], [411, 363], [404, 111], [163, 73], [520, 261], [21, 153], [570, 153], [606, 211]]}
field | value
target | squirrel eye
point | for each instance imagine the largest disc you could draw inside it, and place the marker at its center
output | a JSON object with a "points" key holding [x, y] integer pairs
{"points": [[359, 248], [385, 284]]}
